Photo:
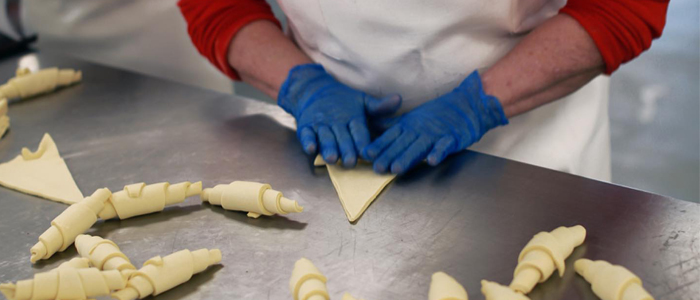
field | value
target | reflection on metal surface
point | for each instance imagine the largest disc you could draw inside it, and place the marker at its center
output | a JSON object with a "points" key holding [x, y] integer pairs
{"points": [[29, 61]]}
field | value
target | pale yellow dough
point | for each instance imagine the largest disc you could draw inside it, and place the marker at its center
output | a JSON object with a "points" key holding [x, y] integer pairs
{"points": [[4, 119], [103, 254], [356, 187], [495, 291], [545, 252], [255, 198], [307, 282], [611, 282], [73, 221], [140, 199], [160, 274], [27, 84], [76, 263], [444, 287], [65, 283], [42, 173]]}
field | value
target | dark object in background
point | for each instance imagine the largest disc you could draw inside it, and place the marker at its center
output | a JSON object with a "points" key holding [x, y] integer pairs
{"points": [[13, 38]]}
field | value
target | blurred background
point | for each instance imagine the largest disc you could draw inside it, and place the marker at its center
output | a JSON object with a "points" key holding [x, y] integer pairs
{"points": [[654, 103]]}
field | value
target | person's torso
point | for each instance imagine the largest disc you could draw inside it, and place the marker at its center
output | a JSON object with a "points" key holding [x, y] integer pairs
{"points": [[423, 49]]}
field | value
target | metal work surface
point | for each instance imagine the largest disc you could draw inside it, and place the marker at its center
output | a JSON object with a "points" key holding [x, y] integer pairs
{"points": [[469, 217]]}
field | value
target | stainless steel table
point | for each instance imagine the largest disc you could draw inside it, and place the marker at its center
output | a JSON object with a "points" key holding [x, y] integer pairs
{"points": [[469, 217]]}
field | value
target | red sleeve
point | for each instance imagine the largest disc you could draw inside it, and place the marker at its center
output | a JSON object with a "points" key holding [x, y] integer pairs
{"points": [[212, 24], [621, 29]]}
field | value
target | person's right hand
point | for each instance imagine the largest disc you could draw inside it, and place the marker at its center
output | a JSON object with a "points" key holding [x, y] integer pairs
{"points": [[330, 114]]}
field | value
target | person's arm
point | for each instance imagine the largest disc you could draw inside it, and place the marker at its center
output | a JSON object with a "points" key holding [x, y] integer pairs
{"points": [[263, 56], [554, 60], [588, 38], [243, 39]]}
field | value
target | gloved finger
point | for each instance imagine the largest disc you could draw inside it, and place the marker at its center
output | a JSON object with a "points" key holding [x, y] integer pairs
{"points": [[379, 125], [329, 147], [307, 137], [398, 147], [442, 149], [345, 145], [382, 107], [375, 148], [359, 133], [415, 153]]}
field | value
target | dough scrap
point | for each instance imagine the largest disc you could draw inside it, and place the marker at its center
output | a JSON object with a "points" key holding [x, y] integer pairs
{"points": [[307, 282], [255, 198], [444, 287], [73, 221], [27, 84], [103, 254], [42, 173], [495, 291], [65, 283], [160, 274], [358, 187], [611, 282], [140, 199], [543, 253], [4, 119]]}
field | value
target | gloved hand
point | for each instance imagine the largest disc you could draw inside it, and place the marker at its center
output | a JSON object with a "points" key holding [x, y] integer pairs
{"points": [[435, 129], [330, 113]]}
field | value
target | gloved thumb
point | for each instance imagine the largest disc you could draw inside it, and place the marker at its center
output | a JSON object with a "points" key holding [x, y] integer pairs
{"points": [[382, 107]]}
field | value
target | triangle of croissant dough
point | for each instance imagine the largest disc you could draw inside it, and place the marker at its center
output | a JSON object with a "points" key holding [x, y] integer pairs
{"points": [[356, 187], [42, 173]]}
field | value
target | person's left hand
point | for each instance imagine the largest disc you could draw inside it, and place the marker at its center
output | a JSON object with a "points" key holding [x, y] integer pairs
{"points": [[435, 129]]}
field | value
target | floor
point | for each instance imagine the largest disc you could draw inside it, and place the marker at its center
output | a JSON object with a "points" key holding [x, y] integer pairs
{"points": [[655, 111]]}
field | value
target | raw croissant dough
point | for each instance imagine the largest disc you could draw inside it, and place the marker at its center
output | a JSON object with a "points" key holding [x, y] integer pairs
{"points": [[307, 282], [103, 254], [611, 282], [4, 119], [140, 199], [545, 252], [160, 274], [76, 263], [495, 291], [65, 283], [356, 187], [444, 287], [73, 221], [27, 84], [255, 198], [42, 173], [135, 199]]}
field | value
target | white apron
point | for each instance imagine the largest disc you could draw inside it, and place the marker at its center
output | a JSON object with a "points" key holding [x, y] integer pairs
{"points": [[423, 49]]}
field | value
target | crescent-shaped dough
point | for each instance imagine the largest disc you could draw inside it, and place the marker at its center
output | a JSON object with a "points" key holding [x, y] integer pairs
{"points": [[160, 274], [73, 221], [255, 198], [140, 199], [307, 282], [611, 282], [444, 287], [495, 291], [545, 252]]}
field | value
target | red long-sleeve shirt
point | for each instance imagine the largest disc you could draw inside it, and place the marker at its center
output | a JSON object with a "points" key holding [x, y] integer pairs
{"points": [[621, 29]]}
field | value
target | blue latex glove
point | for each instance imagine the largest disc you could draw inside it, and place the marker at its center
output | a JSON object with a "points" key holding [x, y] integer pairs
{"points": [[330, 113], [436, 129]]}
